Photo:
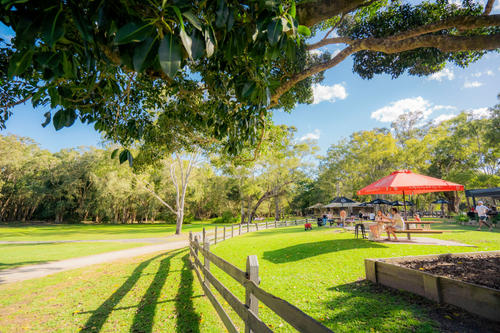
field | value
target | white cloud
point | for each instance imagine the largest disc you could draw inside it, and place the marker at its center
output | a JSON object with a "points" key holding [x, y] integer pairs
{"points": [[479, 113], [473, 84], [314, 135], [328, 93], [391, 112], [479, 74], [335, 52], [443, 117], [316, 52], [497, 6], [445, 73]]}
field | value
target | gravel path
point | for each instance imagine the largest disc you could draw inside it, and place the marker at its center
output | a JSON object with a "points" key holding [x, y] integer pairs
{"points": [[40, 270]]}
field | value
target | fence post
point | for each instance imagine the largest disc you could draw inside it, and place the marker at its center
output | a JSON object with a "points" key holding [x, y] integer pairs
{"points": [[239, 229], [204, 236], [232, 230], [215, 235], [253, 275], [190, 246], [248, 227], [206, 262], [256, 227], [285, 223], [266, 224], [275, 224], [224, 234], [197, 244]]}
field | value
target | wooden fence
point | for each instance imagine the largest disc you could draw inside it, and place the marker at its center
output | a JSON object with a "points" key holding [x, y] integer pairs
{"points": [[248, 311]]}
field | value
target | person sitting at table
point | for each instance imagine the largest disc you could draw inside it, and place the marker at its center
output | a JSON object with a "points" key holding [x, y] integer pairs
{"points": [[396, 223], [376, 228]]}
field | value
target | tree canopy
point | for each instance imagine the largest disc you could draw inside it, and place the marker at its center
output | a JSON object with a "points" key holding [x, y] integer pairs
{"points": [[212, 71]]}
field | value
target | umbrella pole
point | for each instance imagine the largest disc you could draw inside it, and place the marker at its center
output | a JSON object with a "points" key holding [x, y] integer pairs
{"points": [[406, 225]]}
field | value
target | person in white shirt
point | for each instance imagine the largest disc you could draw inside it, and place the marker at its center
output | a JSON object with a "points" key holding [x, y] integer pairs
{"points": [[482, 211]]}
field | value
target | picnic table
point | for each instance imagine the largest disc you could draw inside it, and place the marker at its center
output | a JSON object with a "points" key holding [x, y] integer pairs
{"points": [[408, 230]]}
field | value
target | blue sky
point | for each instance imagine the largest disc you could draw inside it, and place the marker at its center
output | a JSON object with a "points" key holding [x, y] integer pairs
{"points": [[344, 103]]}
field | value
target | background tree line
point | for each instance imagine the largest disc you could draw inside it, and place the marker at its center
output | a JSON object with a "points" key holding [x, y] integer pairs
{"points": [[86, 184], [464, 149]]}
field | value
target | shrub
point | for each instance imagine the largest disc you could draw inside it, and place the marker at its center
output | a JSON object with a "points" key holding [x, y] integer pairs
{"points": [[461, 217], [226, 217]]}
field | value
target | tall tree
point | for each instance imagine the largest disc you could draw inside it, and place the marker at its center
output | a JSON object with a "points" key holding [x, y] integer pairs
{"points": [[128, 66]]}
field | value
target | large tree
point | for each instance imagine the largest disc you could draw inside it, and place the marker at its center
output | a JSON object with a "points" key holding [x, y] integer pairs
{"points": [[131, 67]]}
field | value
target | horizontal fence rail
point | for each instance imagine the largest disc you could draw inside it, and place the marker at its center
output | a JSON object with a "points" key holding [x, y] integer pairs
{"points": [[248, 311]]}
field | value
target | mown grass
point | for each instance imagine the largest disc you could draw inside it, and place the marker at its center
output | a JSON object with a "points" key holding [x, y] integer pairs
{"points": [[154, 293], [92, 231], [16, 255], [322, 273]]}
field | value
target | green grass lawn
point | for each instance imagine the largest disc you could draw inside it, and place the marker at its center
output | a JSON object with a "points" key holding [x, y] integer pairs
{"points": [[321, 272], [92, 231], [15, 255], [154, 293]]}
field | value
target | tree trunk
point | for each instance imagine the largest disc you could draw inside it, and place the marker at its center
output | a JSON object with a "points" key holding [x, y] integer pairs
{"points": [[180, 220], [277, 208]]}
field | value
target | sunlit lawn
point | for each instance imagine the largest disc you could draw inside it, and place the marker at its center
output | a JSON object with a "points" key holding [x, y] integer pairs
{"points": [[154, 293], [320, 271], [15, 255], [92, 231]]}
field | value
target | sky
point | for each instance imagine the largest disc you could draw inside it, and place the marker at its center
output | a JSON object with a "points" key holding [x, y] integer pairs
{"points": [[343, 103]]}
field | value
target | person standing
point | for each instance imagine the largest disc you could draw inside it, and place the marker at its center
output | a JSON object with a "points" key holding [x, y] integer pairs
{"points": [[343, 216], [482, 211]]}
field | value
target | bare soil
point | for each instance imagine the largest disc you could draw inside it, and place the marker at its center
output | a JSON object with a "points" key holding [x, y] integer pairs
{"points": [[482, 270]]}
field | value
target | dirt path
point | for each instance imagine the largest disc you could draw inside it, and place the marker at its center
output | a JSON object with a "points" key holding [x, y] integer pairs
{"points": [[39, 270]]}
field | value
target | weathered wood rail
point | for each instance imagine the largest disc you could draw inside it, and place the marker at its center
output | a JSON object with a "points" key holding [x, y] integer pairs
{"points": [[248, 310], [481, 300]]}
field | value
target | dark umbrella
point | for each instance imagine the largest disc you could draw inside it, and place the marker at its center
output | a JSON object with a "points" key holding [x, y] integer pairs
{"points": [[401, 203], [342, 200], [442, 202], [363, 204], [380, 202]]}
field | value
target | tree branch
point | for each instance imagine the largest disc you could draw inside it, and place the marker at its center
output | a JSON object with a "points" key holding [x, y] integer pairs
{"points": [[310, 13], [8, 106], [488, 7], [328, 41]]}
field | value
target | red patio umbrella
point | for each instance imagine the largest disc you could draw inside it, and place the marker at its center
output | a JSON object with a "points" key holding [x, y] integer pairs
{"points": [[406, 182]]}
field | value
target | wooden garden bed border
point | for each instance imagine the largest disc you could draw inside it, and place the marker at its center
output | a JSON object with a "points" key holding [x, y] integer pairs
{"points": [[477, 299]]}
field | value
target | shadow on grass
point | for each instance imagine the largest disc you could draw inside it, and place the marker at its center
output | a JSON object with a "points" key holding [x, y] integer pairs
{"points": [[367, 307], [188, 321], [144, 317], [20, 264], [99, 316], [308, 250]]}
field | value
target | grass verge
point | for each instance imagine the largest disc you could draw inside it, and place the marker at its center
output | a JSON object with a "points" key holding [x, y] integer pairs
{"points": [[16, 255], [153, 293]]}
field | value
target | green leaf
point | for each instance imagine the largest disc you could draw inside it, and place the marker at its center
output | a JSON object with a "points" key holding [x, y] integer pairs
{"points": [[209, 43], [125, 155], [187, 42], [142, 55], [274, 30], [293, 9], [83, 26], [192, 19], [47, 119], [53, 30], [19, 62], [222, 14], [67, 67], [303, 30], [113, 154], [133, 33], [170, 55], [197, 46], [59, 120]]}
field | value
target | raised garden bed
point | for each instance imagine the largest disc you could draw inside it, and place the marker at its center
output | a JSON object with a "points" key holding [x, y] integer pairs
{"points": [[467, 280]]}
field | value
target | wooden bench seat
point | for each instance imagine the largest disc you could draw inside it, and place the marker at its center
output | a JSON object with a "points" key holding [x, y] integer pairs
{"points": [[419, 231]]}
